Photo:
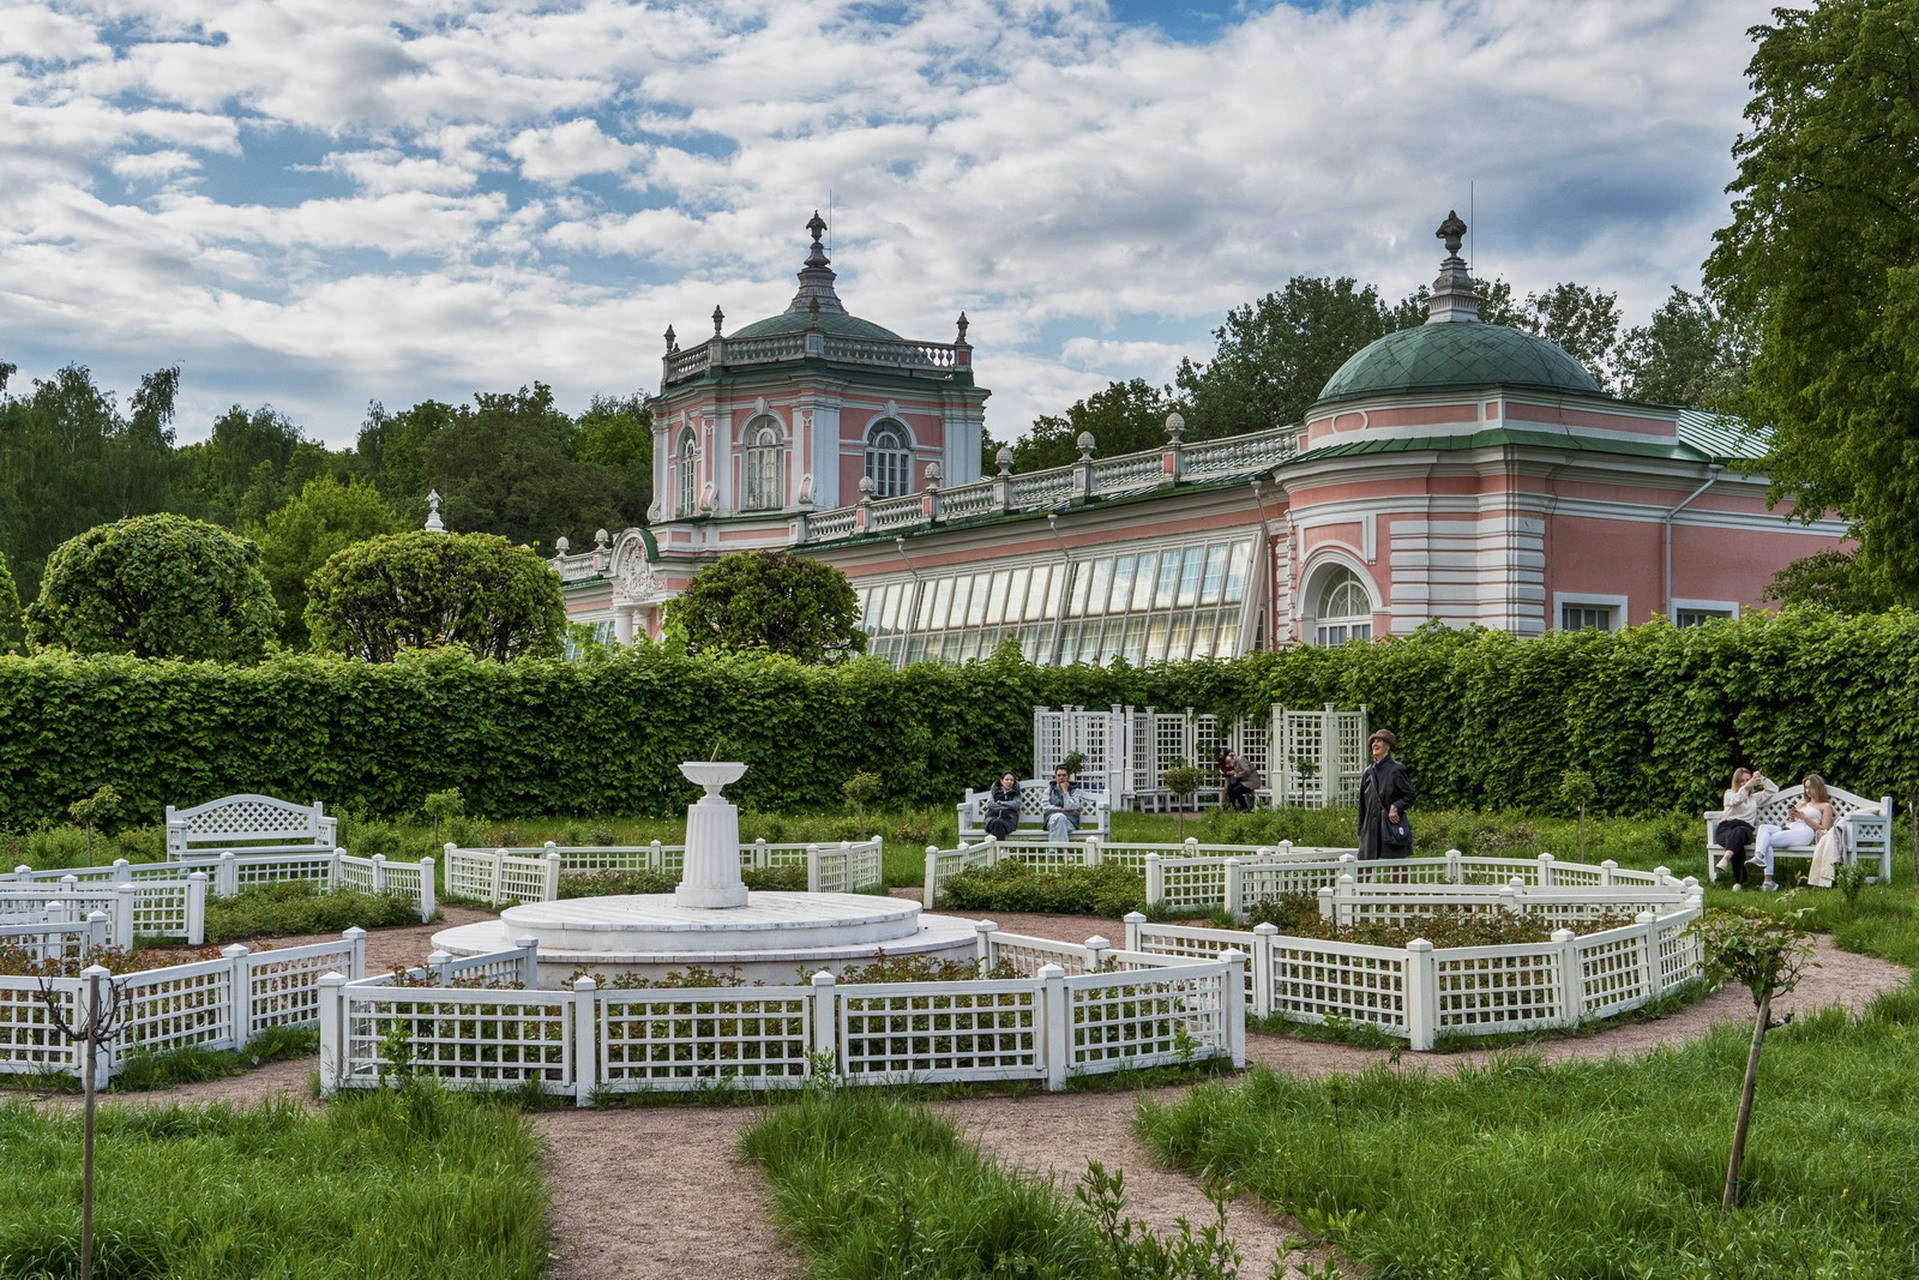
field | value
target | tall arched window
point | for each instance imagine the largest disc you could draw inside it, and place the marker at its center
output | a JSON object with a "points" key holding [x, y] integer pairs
{"points": [[763, 488], [685, 465], [889, 460], [1342, 610]]}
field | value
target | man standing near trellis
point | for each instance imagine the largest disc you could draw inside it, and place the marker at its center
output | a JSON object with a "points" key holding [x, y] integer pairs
{"points": [[1385, 794]]}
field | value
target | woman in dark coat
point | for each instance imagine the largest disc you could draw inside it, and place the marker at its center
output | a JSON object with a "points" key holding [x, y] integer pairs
{"points": [[1385, 794]]}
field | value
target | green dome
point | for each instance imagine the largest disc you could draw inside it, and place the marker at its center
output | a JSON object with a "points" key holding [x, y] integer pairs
{"points": [[1455, 356], [834, 322]]}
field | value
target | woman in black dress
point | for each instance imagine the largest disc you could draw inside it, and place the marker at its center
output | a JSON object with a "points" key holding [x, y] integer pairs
{"points": [[1385, 794]]}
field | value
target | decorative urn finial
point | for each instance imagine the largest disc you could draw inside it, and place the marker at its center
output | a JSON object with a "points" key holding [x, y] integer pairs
{"points": [[817, 225], [719, 318], [1085, 443], [433, 521], [1452, 231], [1005, 460], [962, 323]]}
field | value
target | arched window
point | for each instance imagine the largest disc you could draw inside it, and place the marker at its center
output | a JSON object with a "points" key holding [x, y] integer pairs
{"points": [[684, 467], [763, 488], [889, 460], [1342, 610]]}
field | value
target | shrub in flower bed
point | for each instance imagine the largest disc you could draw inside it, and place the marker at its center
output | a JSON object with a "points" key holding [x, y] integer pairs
{"points": [[601, 884], [1105, 890], [16, 962], [301, 906], [1297, 915]]}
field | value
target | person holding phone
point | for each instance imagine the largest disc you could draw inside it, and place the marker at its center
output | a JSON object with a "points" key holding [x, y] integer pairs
{"points": [[1737, 825], [1805, 822], [1062, 807]]}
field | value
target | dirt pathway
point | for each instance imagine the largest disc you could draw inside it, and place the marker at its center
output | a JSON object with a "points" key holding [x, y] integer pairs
{"points": [[659, 1193]]}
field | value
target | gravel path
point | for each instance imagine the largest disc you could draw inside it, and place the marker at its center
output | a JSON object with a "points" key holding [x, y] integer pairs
{"points": [[660, 1193]]}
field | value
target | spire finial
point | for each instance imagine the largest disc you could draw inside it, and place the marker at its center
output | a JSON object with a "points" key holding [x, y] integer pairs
{"points": [[817, 257]]}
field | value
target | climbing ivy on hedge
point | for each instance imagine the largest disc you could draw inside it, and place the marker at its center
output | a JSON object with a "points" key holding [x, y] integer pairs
{"points": [[1658, 716]]}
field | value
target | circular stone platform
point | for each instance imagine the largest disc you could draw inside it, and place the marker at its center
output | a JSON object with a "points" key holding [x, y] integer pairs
{"points": [[774, 938]]}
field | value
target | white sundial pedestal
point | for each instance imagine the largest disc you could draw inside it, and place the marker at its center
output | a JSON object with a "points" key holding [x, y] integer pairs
{"points": [[711, 878]]}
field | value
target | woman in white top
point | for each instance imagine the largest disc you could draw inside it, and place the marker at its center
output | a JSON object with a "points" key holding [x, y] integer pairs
{"points": [[1738, 820], [1806, 821]]}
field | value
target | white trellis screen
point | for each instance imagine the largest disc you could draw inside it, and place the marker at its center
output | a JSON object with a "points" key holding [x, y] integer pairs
{"points": [[1308, 758]]}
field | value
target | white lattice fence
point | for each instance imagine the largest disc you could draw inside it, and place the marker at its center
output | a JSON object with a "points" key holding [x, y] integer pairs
{"points": [[497, 876]]}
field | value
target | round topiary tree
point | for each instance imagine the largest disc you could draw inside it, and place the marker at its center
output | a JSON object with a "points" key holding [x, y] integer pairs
{"points": [[421, 589], [774, 601], [159, 586]]}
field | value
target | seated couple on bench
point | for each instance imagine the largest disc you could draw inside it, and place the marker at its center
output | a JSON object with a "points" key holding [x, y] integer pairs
{"points": [[1001, 807], [1809, 821]]}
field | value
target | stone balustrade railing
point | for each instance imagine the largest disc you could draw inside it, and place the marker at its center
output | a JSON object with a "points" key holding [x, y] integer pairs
{"points": [[931, 358]]}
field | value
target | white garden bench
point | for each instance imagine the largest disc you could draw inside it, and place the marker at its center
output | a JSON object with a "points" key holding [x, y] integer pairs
{"points": [[249, 824], [1032, 823], [1868, 826]]}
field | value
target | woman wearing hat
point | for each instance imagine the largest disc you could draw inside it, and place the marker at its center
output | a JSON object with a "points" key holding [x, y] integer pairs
{"points": [[1385, 794]]}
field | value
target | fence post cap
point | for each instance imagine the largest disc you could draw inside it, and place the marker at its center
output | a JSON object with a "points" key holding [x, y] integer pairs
{"points": [[1097, 941], [527, 940], [933, 848], [1419, 944], [1645, 917], [1193, 841], [101, 916], [1135, 917], [23, 870], [439, 957], [984, 926], [448, 848], [1151, 856], [426, 861], [1664, 873], [332, 979], [96, 971], [550, 845], [120, 862], [1233, 955], [1050, 971], [585, 984], [824, 978], [354, 934], [378, 857], [1545, 857], [1610, 865], [1563, 935], [1266, 929]]}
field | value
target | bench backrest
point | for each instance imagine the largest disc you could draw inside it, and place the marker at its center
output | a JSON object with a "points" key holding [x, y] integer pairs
{"points": [[1844, 805], [1032, 801], [237, 821]]}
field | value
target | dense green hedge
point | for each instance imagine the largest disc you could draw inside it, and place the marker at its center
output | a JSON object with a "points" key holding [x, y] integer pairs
{"points": [[1659, 716]]}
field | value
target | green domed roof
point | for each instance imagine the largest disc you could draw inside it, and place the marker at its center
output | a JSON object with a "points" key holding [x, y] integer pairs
{"points": [[1456, 356], [836, 322]]}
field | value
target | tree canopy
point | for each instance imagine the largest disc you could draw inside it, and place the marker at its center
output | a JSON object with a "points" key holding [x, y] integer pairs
{"points": [[1124, 418], [419, 590], [1822, 254], [10, 632], [773, 601], [324, 517], [159, 586], [1691, 353]]}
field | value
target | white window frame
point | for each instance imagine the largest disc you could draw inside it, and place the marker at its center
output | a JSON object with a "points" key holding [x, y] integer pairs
{"points": [[761, 488], [1315, 579], [890, 469], [1716, 608], [686, 465], [1614, 605]]}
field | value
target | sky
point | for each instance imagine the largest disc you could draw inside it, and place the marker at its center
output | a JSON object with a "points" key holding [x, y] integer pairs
{"points": [[316, 204]]}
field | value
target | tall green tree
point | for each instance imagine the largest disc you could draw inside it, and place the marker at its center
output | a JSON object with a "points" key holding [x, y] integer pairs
{"points": [[616, 435], [773, 601], [1822, 252], [1690, 353], [159, 586], [420, 590], [1124, 418], [1275, 355], [326, 516], [249, 465]]}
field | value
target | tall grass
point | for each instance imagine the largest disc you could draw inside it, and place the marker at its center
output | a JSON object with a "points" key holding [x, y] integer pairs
{"points": [[414, 1184]]}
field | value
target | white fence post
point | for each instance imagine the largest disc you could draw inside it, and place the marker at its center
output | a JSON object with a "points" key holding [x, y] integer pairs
{"points": [[655, 856], [1093, 854], [1326, 908], [586, 1046], [196, 921], [122, 871], [983, 931], [1572, 983], [1455, 867], [439, 966], [123, 895], [356, 939], [1649, 952], [1133, 921], [812, 865], [499, 870], [1058, 1016], [229, 875], [550, 881], [1606, 870], [336, 869], [1232, 1004], [1264, 936], [1099, 953], [332, 993], [379, 868], [932, 875], [1155, 881], [240, 975], [1548, 873], [428, 888], [99, 931], [826, 1019], [1234, 900], [529, 946], [1422, 995]]}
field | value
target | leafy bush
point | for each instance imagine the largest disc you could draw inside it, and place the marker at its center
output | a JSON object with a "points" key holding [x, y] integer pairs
{"points": [[302, 906], [1106, 890], [1297, 915], [602, 884]]}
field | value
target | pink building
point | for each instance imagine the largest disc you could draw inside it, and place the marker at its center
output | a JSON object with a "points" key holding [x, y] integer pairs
{"points": [[1459, 471]]}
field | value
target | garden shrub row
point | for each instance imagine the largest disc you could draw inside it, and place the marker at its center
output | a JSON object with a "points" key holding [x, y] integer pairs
{"points": [[1656, 714]]}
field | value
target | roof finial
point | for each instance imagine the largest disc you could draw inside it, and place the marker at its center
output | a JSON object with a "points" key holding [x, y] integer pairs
{"points": [[1454, 299], [817, 258], [719, 318], [672, 340], [962, 325], [433, 522]]}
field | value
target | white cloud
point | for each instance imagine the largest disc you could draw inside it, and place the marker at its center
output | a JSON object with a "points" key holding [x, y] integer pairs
{"points": [[523, 185]]}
